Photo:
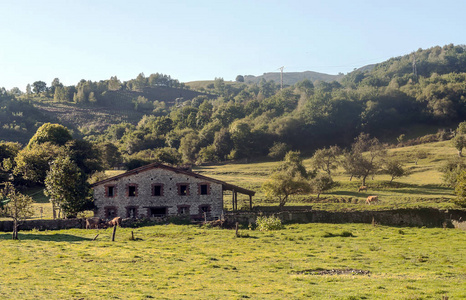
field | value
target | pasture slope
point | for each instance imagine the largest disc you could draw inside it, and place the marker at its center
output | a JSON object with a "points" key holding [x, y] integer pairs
{"points": [[302, 261], [424, 187]]}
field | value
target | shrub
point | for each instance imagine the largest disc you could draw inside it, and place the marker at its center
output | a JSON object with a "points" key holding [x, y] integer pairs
{"points": [[265, 223]]}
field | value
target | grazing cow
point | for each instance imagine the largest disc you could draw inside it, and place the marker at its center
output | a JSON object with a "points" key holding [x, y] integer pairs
{"points": [[115, 222], [93, 223], [371, 199], [362, 188]]}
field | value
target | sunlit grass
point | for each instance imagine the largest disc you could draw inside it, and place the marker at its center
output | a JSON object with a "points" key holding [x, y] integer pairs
{"points": [[189, 262], [423, 187]]}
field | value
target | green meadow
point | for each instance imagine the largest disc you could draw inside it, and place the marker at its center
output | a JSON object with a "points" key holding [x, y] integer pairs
{"points": [[302, 261], [423, 187]]}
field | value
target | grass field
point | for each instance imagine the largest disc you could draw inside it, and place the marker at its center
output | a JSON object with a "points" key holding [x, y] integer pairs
{"points": [[191, 262], [424, 186]]}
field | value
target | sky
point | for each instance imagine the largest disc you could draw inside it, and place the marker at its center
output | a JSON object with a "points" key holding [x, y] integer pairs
{"points": [[204, 40]]}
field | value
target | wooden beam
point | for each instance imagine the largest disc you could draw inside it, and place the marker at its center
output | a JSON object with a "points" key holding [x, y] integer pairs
{"points": [[250, 202]]}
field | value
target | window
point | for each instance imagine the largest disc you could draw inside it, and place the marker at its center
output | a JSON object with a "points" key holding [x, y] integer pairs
{"points": [[204, 208], [204, 189], [110, 212], [132, 190], [157, 212], [157, 189], [110, 191], [183, 189], [183, 210], [132, 212]]}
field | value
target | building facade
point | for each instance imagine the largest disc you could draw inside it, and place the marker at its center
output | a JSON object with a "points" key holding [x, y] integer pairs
{"points": [[158, 190]]}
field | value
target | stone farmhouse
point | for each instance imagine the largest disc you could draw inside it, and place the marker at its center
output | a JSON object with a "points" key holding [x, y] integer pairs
{"points": [[158, 190]]}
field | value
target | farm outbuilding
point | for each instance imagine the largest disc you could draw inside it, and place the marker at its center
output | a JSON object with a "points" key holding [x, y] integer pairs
{"points": [[158, 190]]}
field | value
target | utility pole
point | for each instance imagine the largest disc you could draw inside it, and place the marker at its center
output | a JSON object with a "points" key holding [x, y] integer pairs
{"points": [[281, 77]]}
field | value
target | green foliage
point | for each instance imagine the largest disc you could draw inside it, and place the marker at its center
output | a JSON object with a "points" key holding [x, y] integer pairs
{"points": [[451, 169], [269, 223], [278, 150], [54, 133], [460, 189], [360, 164], [32, 162], [321, 183], [327, 158], [289, 178], [67, 188], [19, 207], [459, 142], [39, 87], [393, 167]]}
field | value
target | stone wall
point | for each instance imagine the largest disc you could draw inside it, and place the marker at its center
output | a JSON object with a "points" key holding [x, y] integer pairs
{"points": [[133, 195], [44, 224], [400, 217]]}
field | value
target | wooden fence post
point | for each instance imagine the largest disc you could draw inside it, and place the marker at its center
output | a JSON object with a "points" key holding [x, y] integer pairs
{"points": [[114, 232]]}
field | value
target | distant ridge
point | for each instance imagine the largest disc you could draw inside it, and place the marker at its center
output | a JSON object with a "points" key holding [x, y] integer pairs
{"points": [[290, 78]]}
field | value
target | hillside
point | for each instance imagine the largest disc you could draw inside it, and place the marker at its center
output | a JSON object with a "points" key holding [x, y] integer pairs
{"points": [[291, 78]]}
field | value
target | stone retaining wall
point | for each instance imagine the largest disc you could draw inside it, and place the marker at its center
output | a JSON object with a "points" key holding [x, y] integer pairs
{"points": [[401, 217]]}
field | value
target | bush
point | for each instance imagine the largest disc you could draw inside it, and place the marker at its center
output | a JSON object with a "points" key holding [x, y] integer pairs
{"points": [[265, 223]]}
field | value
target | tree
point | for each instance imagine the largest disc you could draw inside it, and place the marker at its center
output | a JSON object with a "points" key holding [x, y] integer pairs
{"points": [[67, 188], [365, 156], [54, 133], [278, 150], [110, 155], [55, 84], [451, 169], [459, 142], [321, 183], [240, 78], [189, 146], [327, 159], [28, 89], [290, 178], [460, 189], [17, 206], [419, 154], [114, 83], [39, 87], [394, 168], [32, 163]]}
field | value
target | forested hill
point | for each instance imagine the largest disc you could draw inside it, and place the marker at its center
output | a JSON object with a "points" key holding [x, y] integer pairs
{"points": [[412, 94], [291, 78]]}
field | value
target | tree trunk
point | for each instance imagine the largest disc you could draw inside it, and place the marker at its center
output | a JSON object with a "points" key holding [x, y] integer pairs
{"points": [[282, 202], [15, 230], [364, 180], [54, 213]]}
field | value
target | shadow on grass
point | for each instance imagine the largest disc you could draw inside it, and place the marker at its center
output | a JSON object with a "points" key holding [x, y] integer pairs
{"points": [[46, 237]]}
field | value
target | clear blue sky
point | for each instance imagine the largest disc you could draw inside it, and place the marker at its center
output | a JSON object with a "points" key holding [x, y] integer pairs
{"points": [[201, 40]]}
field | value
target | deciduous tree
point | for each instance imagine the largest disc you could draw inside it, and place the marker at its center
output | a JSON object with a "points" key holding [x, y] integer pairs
{"points": [[327, 159], [290, 178], [67, 188], [17, 206]]}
